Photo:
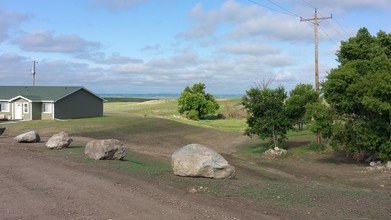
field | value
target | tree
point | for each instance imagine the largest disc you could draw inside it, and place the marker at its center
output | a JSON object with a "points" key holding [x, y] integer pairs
{"points": [[320, 117], [267, 114], [364, 47], [300, 96], [359, 93], [195, 103]]}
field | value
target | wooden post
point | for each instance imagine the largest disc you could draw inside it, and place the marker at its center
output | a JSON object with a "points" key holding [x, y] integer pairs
{"points": [[315, 20]]}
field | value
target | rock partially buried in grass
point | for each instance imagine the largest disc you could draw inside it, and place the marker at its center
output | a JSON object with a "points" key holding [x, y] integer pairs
{"points": [[195, 160], [28, 137], [59, 141], [108, 149], [276, 152]]}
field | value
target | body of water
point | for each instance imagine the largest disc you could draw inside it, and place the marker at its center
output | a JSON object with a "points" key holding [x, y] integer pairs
{"points": [[161, 96]]}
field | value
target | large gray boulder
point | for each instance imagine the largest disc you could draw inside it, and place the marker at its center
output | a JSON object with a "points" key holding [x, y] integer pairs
{"points": [[196, 160], [59, 141], [108, 149], [28, 137]]}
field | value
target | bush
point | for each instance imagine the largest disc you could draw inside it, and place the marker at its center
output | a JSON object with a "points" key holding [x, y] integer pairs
{"points": [[195, 103], [235, 111]]}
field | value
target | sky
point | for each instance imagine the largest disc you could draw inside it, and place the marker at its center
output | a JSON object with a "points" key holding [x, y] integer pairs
{"points": [[162, 46]]}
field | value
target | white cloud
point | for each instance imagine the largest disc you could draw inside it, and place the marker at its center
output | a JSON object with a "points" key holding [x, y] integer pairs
{"points": [[207, 22], [154, 48], [347, 5], [130, 68], [45, 41], [14, 69], [240, 43], [284, 77], [10, 58], [247, 48], [8, 20], [274, 27], [325, 7], [184, 59], [243, 21], [118, 59]]}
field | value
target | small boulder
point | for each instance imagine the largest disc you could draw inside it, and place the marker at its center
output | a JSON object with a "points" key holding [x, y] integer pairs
{"points": [[28, 137], [196, 160], [59, 141], [388, 165], [108, 149]]}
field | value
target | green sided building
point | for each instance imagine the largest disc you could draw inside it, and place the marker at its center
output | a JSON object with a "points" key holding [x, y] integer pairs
{"points": [[48, 102]]}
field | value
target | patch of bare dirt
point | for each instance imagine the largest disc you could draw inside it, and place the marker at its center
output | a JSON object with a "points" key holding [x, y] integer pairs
{"points": [[34, 185]]}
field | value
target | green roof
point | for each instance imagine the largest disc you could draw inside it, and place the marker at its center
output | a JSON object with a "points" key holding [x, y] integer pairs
{"points": [[38, 93]]}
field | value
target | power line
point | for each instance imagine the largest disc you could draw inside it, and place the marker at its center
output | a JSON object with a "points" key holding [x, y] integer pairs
{"points": [[335, 29], [301, 3], [257, 3], [347, 34], [308, 4], [294, 14], [327, 36], [340, 27], [287, 12]]}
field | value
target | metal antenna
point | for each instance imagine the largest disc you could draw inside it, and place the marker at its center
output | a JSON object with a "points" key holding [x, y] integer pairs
{"points": [[33, 71]]}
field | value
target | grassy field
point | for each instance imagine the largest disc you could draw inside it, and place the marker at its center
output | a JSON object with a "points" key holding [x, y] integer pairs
{"points": [[167, 108], [123, 99], [310, 181]]}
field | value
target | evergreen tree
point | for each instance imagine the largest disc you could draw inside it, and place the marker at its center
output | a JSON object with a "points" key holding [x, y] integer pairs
{"points": [[359, 94]]}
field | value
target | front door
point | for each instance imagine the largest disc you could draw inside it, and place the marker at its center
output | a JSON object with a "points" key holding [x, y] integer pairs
{"points": [[18, 111]]}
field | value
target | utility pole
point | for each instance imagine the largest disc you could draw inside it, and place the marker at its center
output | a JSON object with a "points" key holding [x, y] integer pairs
{"points": [[316, 20], [33, 71]]}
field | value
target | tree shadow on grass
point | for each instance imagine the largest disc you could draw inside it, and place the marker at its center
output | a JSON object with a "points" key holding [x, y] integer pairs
{"points": [[212, 117], [295, 144], [337, 158]]}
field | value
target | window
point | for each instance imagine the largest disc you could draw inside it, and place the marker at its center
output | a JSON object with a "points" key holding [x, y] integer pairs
{"points": [[25, 108], [46, 107], [4, 107]]}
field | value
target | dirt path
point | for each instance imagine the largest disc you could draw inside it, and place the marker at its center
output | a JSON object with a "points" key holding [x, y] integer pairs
{"points": [[34, 185]]}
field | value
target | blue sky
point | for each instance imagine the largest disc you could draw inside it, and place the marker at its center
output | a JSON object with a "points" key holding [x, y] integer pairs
{"points": [[151, 46]]}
